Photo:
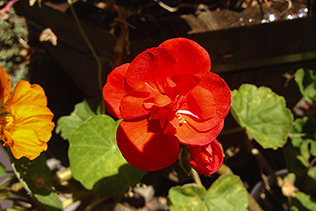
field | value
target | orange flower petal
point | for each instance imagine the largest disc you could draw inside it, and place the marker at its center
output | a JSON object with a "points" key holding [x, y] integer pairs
{"points": [[26, 94], [35, 118], [32, 124], [26, 144], [5, 86]]}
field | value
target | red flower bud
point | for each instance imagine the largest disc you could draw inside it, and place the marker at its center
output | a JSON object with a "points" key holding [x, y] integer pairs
{"points": [[206, 159]]}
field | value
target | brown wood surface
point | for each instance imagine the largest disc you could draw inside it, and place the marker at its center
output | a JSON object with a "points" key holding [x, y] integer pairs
{"points": [[234, 51]]}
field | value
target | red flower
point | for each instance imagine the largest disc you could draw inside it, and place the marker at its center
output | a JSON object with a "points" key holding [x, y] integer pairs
{"points": [[166, 96], [206, 159]]}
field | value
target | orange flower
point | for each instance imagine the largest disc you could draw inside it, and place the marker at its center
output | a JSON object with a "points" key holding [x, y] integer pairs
{"points": [[25, 121]]}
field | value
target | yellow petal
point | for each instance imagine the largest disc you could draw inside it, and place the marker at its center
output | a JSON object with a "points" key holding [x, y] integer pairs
{"points": [[32, 124], [26, 94], [5, 86], [33, 117], [26, 144]]}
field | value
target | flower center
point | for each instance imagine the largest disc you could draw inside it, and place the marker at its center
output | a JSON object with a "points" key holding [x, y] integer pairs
{"points": [[6, 121]]}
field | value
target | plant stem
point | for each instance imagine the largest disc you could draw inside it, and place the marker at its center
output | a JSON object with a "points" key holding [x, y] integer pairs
{"points": [[81, 195], [70, 2], [224, 169], [96, 203], [5, 181], [233, 130], [196, 177], [262, 161], [122, 40]]}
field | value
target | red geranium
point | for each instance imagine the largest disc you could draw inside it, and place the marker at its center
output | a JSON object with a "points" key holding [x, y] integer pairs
{"points": [[206, 159], [166, 96]]}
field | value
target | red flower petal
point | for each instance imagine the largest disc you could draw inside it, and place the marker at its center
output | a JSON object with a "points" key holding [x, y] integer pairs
{"points": [[191, 57], [210, 99], [114, 90], [189, 136], [220, 91], [144, 145], [132, 105], [176, 56]]}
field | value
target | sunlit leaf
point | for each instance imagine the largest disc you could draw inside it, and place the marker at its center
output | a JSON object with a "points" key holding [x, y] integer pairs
{"points": [[66, 125], [306, 82], [226, 193], [35, 177], [263, 114], [96, 161], [2, 170]]}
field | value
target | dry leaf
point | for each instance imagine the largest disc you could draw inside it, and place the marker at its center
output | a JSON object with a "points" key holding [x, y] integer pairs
{"points": [[62, 7], [32, 2], [48, 35]]}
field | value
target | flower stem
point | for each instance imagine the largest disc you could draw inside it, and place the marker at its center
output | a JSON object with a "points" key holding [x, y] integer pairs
{"points": [[263, 163], [70, 2], [196, 177], [7, 7], [233, 130]]}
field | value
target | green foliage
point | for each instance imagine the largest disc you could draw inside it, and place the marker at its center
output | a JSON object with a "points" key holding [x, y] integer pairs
{"points": [[35, 177], [226, 193], [306, 81], [96, 161], [263, 114], [13, 32], [302, 202], [298, 153], [66, 125], [2, 170], [302, 145]]}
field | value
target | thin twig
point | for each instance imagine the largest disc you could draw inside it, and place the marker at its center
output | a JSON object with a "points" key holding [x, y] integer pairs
{"points": [[100, 82], [262, 161]]}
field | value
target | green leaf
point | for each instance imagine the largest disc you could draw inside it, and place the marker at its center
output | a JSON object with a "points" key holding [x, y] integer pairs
{"points": [[263, 114], [184, 158], [189, 197], [226, 193], [304, 126], [66, 125], [310, 184], [35, 177], [291, 156], [302, 141], [96, 161], [3, 171], [306, 82], [302, 202]]}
